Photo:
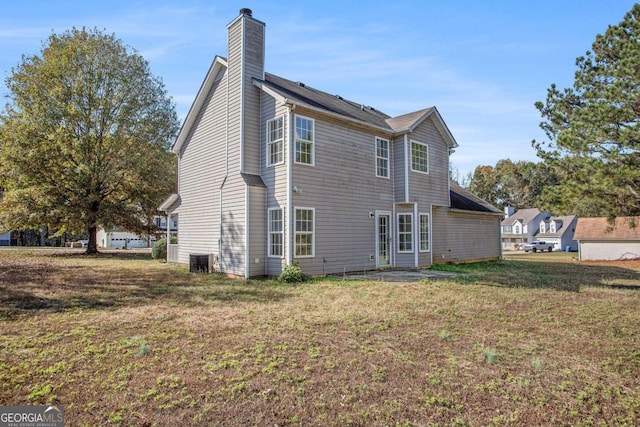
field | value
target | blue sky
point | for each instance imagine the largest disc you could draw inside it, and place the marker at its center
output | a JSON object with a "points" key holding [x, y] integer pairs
{"points": [[483, 64]]}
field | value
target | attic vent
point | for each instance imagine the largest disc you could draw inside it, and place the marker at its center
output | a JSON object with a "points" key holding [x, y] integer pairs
{"points": [[301, 84], [339, 97], [245, 11]]}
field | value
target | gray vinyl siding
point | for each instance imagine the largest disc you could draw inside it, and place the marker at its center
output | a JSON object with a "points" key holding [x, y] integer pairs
{"points": [[343, 189], [201, 173], [399, 169], [432, 187], [258, 231], [275, 177], [253, 52], [463, 237]]}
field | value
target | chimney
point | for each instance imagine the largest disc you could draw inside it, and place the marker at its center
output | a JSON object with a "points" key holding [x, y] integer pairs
{"points": [[508, 211], [245, 62]]}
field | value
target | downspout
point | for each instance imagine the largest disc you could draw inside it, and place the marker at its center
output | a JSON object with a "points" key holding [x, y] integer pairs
{"points": [[406, 169], [226, 174], [431, 232], [289, 184], [246, 187], [416, 234]]}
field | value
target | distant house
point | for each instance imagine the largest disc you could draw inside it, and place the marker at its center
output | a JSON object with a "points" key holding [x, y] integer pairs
{"points": [[122, 239], [559, 230], [600, 240], [521, 227], [5, 239], [274, 172]]}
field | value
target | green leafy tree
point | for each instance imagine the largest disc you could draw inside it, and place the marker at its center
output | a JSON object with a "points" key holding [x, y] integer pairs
{"points": [[84, 138], [518, 184], [594, 127]]}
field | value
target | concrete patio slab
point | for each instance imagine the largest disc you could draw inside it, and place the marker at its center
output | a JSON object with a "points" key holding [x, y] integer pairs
{"points": [[399, 275]]}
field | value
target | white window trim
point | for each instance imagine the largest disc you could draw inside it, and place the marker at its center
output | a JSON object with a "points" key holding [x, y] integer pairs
{"points": [[411, 154], [398, 215], [313, 232], [268, 153], [313, 140], [269, 254], [420, 215], [388, 158]]}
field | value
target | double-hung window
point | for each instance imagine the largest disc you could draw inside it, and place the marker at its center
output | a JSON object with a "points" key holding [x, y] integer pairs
{"points": [[275, 141], [276, 231], [424, 233], [304, 140], [382, 157], [405, 232], [304, 232], [419, 157]]}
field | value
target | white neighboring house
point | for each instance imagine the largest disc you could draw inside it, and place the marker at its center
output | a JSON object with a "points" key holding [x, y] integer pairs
{"points": [[599, 241], [122, 239], [559, 230], [521, 227]]}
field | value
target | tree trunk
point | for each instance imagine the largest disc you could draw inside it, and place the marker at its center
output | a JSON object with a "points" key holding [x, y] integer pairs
{"points": [[92, 246]]}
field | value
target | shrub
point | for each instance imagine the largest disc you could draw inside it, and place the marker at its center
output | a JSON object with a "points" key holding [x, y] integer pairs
{"points": [[292, 274], [159, 250]]}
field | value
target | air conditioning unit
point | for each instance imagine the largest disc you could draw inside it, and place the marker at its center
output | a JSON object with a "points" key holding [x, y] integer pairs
{"points": [[201, 263]]}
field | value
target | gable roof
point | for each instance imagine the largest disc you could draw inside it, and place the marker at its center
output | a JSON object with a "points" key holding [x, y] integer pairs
{"points": [[566, 225], [219, 65], [301, 94], [523, 215], [600, 229], [298, 93], [462, 199]]}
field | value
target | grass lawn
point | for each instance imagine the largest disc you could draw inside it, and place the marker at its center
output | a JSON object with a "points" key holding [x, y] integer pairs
{"points": [[120, 339]]}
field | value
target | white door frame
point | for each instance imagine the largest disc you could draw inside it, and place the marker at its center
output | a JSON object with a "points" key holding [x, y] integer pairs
{"points": [[387, 214]]}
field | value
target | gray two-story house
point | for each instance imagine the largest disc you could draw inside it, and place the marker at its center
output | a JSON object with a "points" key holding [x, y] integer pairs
{"points": [[272, 171]]}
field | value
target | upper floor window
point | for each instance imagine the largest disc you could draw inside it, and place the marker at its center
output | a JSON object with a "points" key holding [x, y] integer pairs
{"points": [[304, 232], [419, 157], [507, 228], [405, 232], [542, 227], [382, 157], [275, 141], [516, 229], [304, 140], [552, 227]]}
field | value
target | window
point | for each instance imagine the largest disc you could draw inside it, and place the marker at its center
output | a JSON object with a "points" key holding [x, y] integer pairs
{"points": [[275, 141], [304, 232], [382, 157], [424, 232], [304, 140], [516, 229], [405, 233], [507, 229], [276, 230], [542, 227], [552, 227], [419, 157]]}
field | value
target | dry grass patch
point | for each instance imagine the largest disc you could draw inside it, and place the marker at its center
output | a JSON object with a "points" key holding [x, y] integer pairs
{"points": [[129, 341]]}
